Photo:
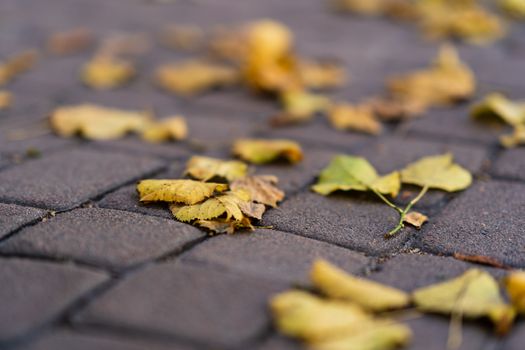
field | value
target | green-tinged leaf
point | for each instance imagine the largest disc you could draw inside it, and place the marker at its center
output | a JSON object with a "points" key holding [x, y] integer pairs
{"points": [[179, 191], [497, 106], [437, 172], [355, 173], [206, 168]]}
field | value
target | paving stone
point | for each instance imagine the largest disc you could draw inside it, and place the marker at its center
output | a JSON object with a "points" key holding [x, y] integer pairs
{"points": [[14, 216], [136, 146], [353, 221], [510, 164], [67, 340], [37, 292], [102, 237], [280, 342], [67, 179], [516, 339], [18, 150], [188, 302], [485, 220], [272, 254]]}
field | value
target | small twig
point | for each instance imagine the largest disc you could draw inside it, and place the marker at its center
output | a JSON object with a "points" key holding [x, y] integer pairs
{"points": [[403, 213]]}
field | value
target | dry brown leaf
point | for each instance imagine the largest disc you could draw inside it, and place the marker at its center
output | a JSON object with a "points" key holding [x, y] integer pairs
{"points": [[261, 151], [182, 37], [179, 191], [70, 42], [194, 76], [480, 259], [389, 109], [171, 128], [225, 226], [357, 118], [16, 65], [262, 189], [107, 72], [415, 219], [6, 99]]}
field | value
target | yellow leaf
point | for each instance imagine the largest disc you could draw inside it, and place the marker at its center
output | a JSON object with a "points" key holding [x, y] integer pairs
{"points": [[206, 168], [516, 138], [194, 76], [70, 42], [362, 7], [415, 219], [180, 191], [97, 122], [445, 82], [300, 106], [6, 99], [515, 285], [107, 72], [261, 189], [515, 8], [260, 151], [347, 173], [172, 128], [474, 294], [437, 172], [337, 284], [358, 118], [16, 65], [320, 75], [498, 106]]}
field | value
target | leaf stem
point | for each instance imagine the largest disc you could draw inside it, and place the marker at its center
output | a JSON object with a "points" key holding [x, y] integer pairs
{"points": [[403, 212], [384, 199]]}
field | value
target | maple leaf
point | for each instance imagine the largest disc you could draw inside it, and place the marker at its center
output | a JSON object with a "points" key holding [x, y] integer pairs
{"points": [[171, 128], [446, 81], [474, 294], [337, 284], [300, 106], [206, 168], [437, 172], [262, 188], [179, 191], [347, 173], [497, 106], [70, 42], [260, 151], [97, 122], [515, 286], [415, 219], [107, 72], [16, 65], [194, 76], [358, 118], [6, 99]]}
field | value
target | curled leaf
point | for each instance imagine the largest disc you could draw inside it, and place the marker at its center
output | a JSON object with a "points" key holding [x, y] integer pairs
{"points": [[357, 118], [6, 99], [347, 173], [415, 219], [107, 72], [262, 189], [97, 122], [515, 285], [437, 172], [172, 128], [206, 168], [16, 65], [497, 106], [260, 151], [337, 284], [179, 191]]}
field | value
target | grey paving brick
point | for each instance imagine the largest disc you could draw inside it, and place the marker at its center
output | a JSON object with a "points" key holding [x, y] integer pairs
{"points": [[67, 179], [135, 146], [18, 150], [510, 164], [37, 292], [103, 237], [67, 340], [516, 338], [14, 216], [192, 302], [485, 220], [280, 342], [272, 254], [352, 220]]}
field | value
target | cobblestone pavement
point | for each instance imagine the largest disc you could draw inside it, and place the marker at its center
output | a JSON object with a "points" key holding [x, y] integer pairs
{"points": [[105, 272]]}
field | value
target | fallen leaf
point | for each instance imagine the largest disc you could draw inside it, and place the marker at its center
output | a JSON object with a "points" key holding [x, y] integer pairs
{"points": [[124, 44], [516, 138], [497, 106], [474, 294], [415, 219], [70, 42], [261, 151], [206, 168], [337, 284], [347, 173], [107, 72], [515, 285], [357, 118], [390, 109], [229, 43], [6, 99], [437, 172], [171, 128], [480, 259], [195, 76], [515, 8], [97, 122], [225, 226], [320, 75], [262, 188], [361, 7], [300, 106], [16, 65], [179, 191], [182, 37]]}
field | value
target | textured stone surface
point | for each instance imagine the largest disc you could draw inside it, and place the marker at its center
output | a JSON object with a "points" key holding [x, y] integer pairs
{"points": [[516, 338], [353, 220], [510, 164], [14, 216], [102, 237], [37, 292], [272, 254], [485, 220], [187, 301], [67, 179]]}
